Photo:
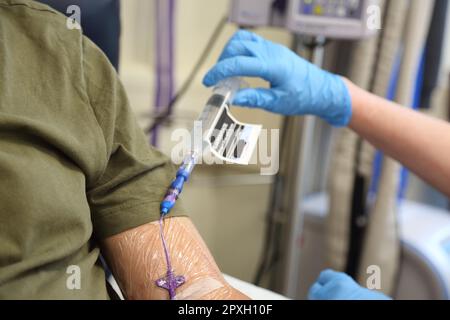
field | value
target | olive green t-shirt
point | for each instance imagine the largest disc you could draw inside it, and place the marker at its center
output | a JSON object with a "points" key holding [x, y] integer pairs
{"points": [[74, 166]]}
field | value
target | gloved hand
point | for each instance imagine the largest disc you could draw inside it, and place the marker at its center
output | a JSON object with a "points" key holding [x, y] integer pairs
{"points": [[332, 285], [297, 86]]}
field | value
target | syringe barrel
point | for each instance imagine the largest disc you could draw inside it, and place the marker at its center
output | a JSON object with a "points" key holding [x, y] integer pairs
{"points": [[228, 88], [223, 93]]}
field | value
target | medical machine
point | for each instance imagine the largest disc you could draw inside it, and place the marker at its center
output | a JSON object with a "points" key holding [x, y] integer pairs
{"points": [[344, 19]]}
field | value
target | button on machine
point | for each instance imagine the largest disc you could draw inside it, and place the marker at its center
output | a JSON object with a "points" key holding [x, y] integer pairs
{"points": [[335, 19], [346, 9]]}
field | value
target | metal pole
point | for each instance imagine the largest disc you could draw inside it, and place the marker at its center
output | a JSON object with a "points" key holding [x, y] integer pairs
{"points": [[298, 186]]}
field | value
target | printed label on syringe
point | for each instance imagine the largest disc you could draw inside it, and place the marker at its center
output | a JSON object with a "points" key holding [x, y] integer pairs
{"points": [[231, 140]]}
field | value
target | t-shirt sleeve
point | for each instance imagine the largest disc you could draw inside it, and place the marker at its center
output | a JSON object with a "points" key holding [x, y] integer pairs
{"points": [[135, 176]]}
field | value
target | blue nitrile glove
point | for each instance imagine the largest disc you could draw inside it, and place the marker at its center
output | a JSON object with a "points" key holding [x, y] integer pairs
{"points": [[297, 86], [332, 285]]}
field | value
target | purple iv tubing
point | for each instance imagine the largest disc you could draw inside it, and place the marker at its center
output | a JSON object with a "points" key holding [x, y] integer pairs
{"points": [[170, 282]]}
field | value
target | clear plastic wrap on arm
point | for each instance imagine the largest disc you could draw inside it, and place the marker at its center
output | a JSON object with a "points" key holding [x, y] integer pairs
{"points": [[137, 259]]}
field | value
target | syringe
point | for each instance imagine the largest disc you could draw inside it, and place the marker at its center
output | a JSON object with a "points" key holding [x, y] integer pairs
{"points": [[223, 94]]}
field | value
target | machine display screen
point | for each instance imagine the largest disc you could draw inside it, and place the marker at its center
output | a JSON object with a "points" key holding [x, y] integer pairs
{"points": [[344, 9]]}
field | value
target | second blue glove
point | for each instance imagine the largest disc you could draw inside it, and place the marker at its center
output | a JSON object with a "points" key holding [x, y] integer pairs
{"points": [[332, 285]]}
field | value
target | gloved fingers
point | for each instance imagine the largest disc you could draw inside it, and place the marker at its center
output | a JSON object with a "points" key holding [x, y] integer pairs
{"points": [[314, 291], [245, 35], [237, 48], [238, 45], [328, 275], [255, 97], [234, 67]]}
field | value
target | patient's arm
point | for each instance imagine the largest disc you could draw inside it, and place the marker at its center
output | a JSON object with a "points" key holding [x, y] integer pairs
{"points": [[137, 260]]}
